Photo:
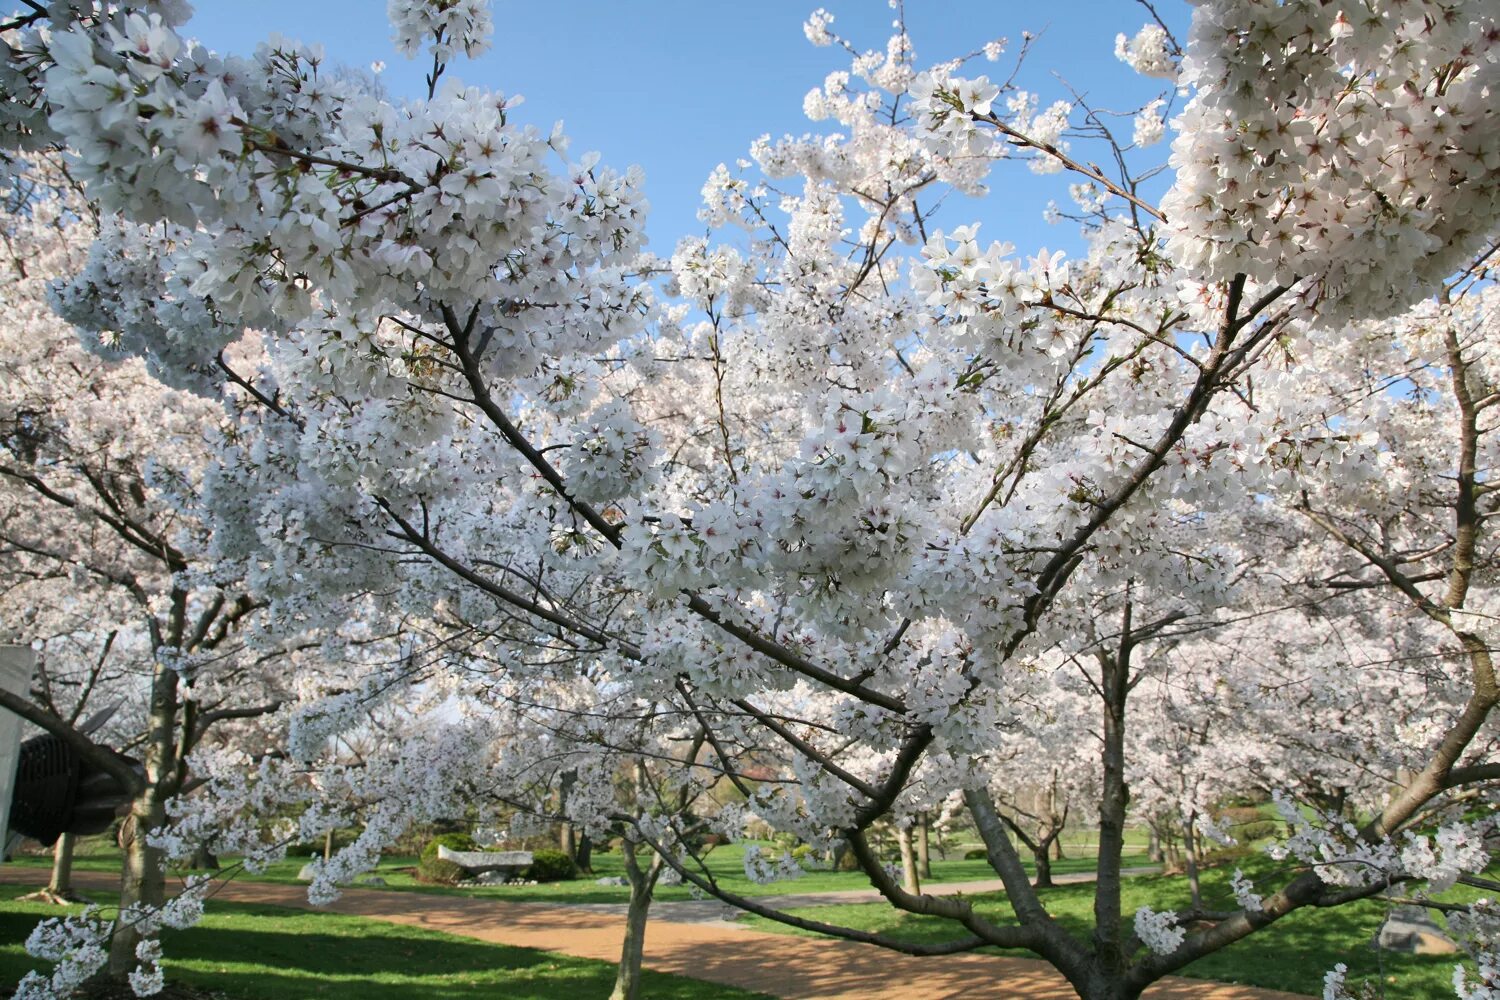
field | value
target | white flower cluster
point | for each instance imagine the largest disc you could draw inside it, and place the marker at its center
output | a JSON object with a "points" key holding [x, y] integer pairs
{"points": [[1342, 857], [945, 107], [1215, 830], [1478, 930], [1359, 151], [1148, 53], [147, 978], [1158, 931], [1333, 982], [1332, 846], [119, 100], [717, 278], [1150, 127], [443, 27], [1244, 892], [327, 203], [984, 295], [1455, 849], [1486, 982], [80, 947], [816, 28], [1044, 127], [612, 455], [762, 870], [317, 721]]}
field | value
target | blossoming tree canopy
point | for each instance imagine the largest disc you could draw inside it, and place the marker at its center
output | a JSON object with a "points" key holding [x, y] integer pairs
{"points": [[833, 480], [1354, 147], [109, 566]]}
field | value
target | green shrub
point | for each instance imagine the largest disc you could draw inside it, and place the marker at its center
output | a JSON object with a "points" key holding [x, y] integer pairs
{"points": [[550, 866], [1226, 855], [1258, 830], [452, 841], [802, 852], [432, 868], [975, 854]]}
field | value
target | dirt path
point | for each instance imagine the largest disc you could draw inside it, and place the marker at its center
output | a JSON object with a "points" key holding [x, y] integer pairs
{"points": [[793, 968]]}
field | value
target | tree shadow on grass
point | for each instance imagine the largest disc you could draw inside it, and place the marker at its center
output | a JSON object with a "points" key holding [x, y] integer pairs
{"points": [[266, 953], [380, 963]]}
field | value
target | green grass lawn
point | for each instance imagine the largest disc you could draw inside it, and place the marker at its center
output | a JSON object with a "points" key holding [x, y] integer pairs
{"points": [[1292, 954], [726, 863], [265, 953]]}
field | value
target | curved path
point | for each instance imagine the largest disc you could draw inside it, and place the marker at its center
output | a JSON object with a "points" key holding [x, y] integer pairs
{"points": [[792, 968]]}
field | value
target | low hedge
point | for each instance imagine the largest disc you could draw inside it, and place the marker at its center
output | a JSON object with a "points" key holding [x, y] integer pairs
{"points": [[550, 866], [432, 868]]}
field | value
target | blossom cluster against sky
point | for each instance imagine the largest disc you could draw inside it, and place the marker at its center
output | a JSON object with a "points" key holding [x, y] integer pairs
{"points": [[679, 87]]}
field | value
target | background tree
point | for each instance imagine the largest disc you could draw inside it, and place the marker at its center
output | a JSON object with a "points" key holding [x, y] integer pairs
{"points": [[101, 475]]}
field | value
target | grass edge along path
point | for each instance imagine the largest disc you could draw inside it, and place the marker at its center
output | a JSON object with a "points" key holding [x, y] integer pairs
{"points": [[792, 968]]}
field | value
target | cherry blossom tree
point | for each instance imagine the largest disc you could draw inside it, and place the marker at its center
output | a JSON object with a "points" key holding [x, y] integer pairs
{"points": [[1059, 785], [101, 473], [842, 482]]}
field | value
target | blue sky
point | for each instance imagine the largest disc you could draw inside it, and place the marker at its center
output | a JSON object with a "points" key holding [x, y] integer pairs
{"points": [[679, 87]]}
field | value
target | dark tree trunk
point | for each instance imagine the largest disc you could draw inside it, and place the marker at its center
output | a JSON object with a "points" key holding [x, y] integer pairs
{"points": [[204, 860], [642, 884], [1043, 868], [567, 833], [1105, 985], [1114, 672]]}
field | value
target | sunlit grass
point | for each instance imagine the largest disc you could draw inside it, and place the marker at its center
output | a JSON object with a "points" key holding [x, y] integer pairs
{"points": [[266, 953], [1292, 954]]}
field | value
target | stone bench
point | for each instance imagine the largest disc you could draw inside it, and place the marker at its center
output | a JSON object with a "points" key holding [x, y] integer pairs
{"points": [[474, 863], [1411, 929]]}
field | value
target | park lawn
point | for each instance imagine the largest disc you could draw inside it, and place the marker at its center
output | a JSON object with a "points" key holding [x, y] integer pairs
{"points": [[728, 867], [725, 862], [266, 953], [1293, 954]]}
